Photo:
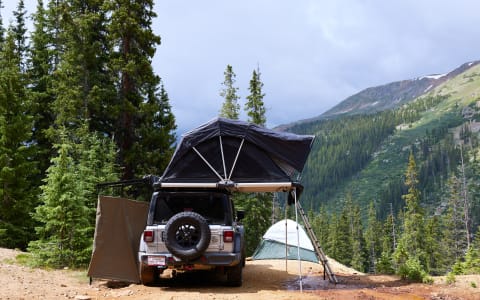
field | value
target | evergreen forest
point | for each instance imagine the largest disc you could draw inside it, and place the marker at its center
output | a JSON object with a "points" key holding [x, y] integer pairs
{"points": [[79, 105]]}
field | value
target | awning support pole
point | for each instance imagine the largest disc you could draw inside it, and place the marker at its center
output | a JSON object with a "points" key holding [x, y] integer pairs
{"points": [[208, 164], [298, 242], [286, 240]]}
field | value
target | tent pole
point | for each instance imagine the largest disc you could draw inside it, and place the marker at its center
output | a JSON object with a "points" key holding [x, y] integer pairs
{"points": [[208, 164], [223, 157], [298, 241], [236, 158]]}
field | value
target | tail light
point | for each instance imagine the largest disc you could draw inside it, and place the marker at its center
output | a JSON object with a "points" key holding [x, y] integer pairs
{"points": [[148, 236], [228, 236]]}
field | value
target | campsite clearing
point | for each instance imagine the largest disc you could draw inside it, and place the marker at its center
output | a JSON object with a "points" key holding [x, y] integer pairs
{"points": [[263, 279]]}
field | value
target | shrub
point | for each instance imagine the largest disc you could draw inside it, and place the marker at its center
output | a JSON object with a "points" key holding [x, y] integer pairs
{"points": [[413, 270], [450, 279]]}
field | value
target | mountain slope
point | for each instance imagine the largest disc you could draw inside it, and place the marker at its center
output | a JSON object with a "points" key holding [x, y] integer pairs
{"points": [[365, 155], [394, 94]]}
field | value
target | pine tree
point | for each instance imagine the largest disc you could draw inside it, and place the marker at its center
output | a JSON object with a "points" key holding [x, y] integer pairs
{"points": [[53, 30], [472, 257], [20, 30], [454, 231], [474, 187], [331, 247], [255, 107], [435, 254], [465, 198], [358, 261], [156, 130], [230, 108], [133, 43], [343, 246], [2, 29], [385, 262], [320, 225], [82, 85], [17, 194], [96, 160], [65, 234], [40, 78], [372, 238], [68, 202], [410, 252], [414, 222]]}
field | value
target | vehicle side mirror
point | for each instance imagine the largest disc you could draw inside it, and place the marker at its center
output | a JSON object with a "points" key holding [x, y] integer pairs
{"points": [[240, 215]]}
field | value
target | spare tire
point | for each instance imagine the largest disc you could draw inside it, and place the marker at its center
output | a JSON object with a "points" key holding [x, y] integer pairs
{"points": [[188, 235]]}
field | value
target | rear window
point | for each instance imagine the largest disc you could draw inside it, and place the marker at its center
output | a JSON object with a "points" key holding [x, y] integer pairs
{"points": [[210, 205]]}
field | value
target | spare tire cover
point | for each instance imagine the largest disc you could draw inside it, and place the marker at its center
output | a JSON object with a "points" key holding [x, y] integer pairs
{"points": [[188, 235]]}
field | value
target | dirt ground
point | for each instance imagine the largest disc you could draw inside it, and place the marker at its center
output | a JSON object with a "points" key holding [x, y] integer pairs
{"points": [[266, 279]]}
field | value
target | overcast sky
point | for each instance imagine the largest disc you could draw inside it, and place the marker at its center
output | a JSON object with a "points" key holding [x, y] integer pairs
{"points": [[311, 54]]}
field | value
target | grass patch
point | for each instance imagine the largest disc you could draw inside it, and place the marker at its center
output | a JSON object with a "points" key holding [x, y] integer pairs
{"points": [[80, 275], [23, 259], [451, 279]]}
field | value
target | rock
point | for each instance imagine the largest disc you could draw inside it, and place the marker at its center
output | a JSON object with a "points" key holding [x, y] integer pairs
{"points": [[82, 297]]}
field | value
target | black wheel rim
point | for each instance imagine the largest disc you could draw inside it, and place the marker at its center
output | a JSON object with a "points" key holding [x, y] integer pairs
{"points": [[187, 235]]}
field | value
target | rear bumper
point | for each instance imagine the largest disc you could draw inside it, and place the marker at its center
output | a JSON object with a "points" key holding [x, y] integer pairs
{"points": [[207, 259]]}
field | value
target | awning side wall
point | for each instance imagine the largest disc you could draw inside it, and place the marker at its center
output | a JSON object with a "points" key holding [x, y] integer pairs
{"points": [[119, 225]]}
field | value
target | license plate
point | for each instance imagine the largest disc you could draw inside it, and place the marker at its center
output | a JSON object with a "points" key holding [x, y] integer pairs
{"points": [[156, 261]]}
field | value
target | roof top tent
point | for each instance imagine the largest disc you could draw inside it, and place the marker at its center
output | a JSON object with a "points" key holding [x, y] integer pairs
{"points": [[239, 156]]}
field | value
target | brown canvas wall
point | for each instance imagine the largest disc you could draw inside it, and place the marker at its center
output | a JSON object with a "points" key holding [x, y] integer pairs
{"points": [[119, 225]]}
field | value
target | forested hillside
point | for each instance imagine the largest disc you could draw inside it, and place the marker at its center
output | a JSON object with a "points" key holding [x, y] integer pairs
{"points": [[79, 105], [356, 174]]}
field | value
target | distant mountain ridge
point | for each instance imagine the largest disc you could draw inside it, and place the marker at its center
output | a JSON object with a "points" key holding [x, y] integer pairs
{"points": [[387, 96]]}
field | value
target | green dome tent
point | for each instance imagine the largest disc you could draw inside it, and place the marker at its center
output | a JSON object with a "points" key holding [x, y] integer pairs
{"points": [[281, 241]]}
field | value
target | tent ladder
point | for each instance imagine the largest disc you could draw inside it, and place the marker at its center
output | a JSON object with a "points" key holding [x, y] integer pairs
{"points": [[316, 245]]}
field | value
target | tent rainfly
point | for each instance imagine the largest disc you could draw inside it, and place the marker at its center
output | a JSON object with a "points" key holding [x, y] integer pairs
{"points": [[281, 241], [239, 156]]}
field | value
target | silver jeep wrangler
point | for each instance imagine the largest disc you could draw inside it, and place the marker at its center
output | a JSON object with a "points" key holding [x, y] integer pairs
{"points": [[189, 230]]}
